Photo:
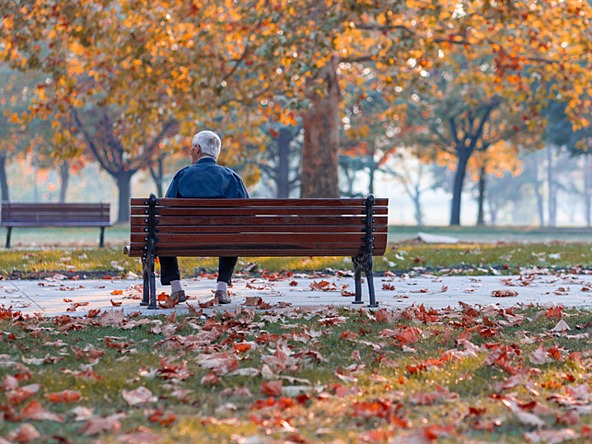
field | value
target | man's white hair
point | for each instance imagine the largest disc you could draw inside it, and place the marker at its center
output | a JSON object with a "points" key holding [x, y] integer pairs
{"points": [[209, 142]]}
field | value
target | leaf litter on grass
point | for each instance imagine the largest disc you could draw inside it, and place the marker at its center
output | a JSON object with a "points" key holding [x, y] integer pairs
{"points": [[417, 374]]}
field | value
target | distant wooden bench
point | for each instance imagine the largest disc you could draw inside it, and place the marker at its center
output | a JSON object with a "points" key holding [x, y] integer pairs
{"points": [[258, 228], [55, 215]]}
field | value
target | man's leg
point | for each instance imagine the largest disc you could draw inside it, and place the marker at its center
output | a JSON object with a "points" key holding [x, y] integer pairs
{"points": [[170, 275], [225, 269]]}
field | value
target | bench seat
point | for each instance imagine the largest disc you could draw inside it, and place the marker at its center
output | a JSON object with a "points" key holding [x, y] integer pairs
{"points": [[258, 228], [27, 214]]}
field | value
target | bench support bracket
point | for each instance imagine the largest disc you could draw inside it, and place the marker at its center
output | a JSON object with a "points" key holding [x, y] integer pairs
{"points": [[148, 275], [363, 261]]}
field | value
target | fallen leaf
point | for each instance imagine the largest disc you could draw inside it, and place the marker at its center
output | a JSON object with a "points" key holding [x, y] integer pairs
{"points": [[23, 434], [161, 417], [504, 293], [116, 303], [561, 327], [139, 396], [33, 410], [96, 426], [64, 396], [271, 388], [117, 292]]}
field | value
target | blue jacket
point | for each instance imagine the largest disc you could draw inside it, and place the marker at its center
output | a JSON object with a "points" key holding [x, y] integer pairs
{"points": [[206, 179]]}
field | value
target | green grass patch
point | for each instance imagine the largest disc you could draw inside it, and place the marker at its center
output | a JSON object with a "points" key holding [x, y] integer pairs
{"points": [[302, 375]]}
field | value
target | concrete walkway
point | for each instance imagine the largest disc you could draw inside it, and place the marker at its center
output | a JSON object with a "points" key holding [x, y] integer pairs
{"points": [[57, 296]]}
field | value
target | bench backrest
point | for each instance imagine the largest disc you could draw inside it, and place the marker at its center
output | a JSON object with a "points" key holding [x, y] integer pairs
{"points": [[55, 214], [258, 227]]}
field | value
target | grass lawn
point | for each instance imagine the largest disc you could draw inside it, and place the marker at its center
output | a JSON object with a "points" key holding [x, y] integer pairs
{"points": [[295, 375]]}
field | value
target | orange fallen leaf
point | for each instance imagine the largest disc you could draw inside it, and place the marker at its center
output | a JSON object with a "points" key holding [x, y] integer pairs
{"points": [[64, 396], [161, 417], [117, 292], [271, 388], [36, 412]]}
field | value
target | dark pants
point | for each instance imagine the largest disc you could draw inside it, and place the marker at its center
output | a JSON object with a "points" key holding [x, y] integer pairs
{"points": [[169, 269]]}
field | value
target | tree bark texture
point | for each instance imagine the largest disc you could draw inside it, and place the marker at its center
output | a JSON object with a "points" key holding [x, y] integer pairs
{"points": [[64, 180], [283, 164], [124, 182], [3, 178], [481, 197], [459, 180], [320, 162]]}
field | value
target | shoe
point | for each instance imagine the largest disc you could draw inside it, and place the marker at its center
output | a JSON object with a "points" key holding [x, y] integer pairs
{"points": [[222, 297], [178, 296]]}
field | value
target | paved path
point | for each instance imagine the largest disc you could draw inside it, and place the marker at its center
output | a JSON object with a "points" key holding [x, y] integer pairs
{"points": [[57, 296]]}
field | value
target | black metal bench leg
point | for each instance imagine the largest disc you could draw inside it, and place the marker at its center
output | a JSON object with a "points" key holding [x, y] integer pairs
{"points": [[102, 238], [370, 278], [146, 287], [8, 233], [357, 280], [152, 279]]}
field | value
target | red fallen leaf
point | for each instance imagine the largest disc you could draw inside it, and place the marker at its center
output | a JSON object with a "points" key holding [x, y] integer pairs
{"points": [[68, 300], [263, 403], [116, 303], [64, 396], [193, 311], [383, 315], [107, 277], [476, 411], [408, 335], [253, 301], [388, 287], [504, 293], [20, 394], [367, 409], [117, 292], [170, 371], [210, 379], [119, 345], [254, 287], [347, 294], [167, 303], [271, 388], [208, 304], [93, 312], [570, 418], [162, 296], [435, 431], [348, 335], [96, 426], [323, 286], [554, 312], [293, 284], [241, 347], [161, 417], [23, 434], [36, 412], [389, 273]]}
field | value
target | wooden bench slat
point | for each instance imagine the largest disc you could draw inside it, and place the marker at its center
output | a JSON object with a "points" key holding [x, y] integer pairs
{"points": [[250, 238], [259, 202], [358, 228], [296, 211], [252, 220]]}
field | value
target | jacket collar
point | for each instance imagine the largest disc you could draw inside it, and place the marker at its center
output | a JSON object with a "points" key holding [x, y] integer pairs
{"points": [[206, 160]]}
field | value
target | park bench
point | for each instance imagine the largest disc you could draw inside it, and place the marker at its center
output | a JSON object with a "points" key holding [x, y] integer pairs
{"points": [[18, 214], [258, 228]]}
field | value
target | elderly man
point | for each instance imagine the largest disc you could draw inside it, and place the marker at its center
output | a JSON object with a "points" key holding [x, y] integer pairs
{"points": [[203, 179]]}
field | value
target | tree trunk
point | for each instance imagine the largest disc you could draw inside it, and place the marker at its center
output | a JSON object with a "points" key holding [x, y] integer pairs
{"points": [[551, 185], [123, 181], [64, 180], [372, 176], [481, 198], [283, 164], [3, 178], [320, 162], [588, 189], [459, 179], [417, 204], [158, 176]]}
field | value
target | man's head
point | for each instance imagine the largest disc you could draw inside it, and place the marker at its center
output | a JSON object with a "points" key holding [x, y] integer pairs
{"points": [[205, 143]]}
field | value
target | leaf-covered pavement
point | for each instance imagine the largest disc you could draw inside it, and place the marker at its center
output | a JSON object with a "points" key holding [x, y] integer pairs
{"points": [[414, 375]]}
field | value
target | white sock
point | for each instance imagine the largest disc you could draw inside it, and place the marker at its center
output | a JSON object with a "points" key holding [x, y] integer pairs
{"points": [[176, 286], [223, 286]]}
